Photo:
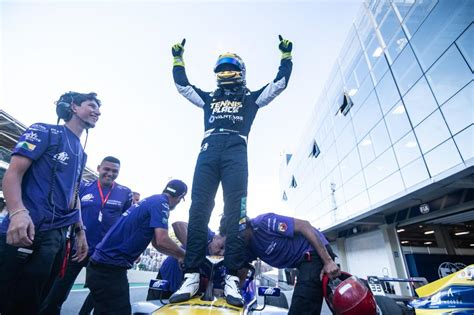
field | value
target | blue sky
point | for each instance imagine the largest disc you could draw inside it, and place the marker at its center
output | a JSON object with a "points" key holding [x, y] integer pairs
{"points": [[121, 50]]}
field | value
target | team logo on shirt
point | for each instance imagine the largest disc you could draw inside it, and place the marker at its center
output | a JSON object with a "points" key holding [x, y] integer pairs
{"points": [[26, 146], [32, 137], [87, 197], [61, 157], [226, 107], [282, 227]]}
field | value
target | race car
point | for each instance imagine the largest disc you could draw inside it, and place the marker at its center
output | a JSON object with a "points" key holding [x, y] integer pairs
{"points": [[453, 294], [212, 301]]}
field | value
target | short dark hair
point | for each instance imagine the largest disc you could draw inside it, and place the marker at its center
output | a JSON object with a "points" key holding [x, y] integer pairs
{"points": [[111, 159], [79, 98]]}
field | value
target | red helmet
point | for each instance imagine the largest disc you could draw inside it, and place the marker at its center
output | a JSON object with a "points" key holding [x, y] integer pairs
{"points": [[348, 295]]}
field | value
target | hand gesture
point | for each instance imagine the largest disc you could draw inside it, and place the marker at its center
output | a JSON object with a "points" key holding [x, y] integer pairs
{"points": [[285, 45], [178, 49], [21, 231]]}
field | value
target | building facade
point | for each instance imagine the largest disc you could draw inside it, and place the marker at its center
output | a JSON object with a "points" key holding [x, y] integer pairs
{"points": [[390, 143]]}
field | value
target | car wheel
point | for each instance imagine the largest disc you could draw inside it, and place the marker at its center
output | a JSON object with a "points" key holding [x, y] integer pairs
{"points": [[387, 306]]}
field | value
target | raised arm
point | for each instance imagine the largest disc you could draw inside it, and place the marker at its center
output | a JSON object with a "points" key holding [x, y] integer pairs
{"points": [[274, 88], [330, 268], [190, 92]]}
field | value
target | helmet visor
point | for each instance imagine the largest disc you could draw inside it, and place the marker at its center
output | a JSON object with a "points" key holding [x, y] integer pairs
{"points": [[228, 61]]}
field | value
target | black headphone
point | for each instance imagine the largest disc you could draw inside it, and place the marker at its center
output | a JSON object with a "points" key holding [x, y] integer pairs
{"points": [[64, 108]]}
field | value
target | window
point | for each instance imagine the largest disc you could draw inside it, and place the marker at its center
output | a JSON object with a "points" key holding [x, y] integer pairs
{"points": [[432, 131], [407, 149], [406, 70], [449, 74], [419, 102], [345, 104], [284, 197], [445, 23], [465, 45], [387, 92], [414, 172], [465, 142], [442, 158], [315, 150], [459, 111], [397, 122]]}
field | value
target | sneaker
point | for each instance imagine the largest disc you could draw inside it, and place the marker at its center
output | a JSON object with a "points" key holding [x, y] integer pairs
{"points": [[232, 291], [188, 288]]}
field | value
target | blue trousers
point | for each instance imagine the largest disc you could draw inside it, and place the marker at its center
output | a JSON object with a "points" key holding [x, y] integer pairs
{"points": [[223, 159]]}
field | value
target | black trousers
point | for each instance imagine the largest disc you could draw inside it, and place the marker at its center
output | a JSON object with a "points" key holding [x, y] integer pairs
{"points": [[25, 279], [223, 159], [109, 289], [308, 293], [61, 288]]}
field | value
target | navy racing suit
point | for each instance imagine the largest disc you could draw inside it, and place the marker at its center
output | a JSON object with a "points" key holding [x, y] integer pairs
{"points": [[228, 117]]}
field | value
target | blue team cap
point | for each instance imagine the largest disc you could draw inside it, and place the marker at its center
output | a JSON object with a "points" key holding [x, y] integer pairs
{"points": [[176, 188]]}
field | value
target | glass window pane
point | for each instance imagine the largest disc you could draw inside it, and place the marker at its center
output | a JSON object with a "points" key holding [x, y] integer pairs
{"points": [[414, 173], [419, 102], [449, 74], [465, 142], [466, 47], [356, 205], [390, 26], [387, 92], [346, 142], [397, 122], [380, 138], [407, 149], [386, 188], [419, 11], [366, 151], [442, 158], [374, 51], [406, 70], [354, 186], [459, 110], [445, 23], [380, 69], [350, 166], [383, 166], [432, 132], [361, 94], [362, 69], [403, 6], [396, 45], [367, 117]]}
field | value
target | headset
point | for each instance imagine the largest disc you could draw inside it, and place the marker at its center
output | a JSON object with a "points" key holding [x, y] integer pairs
{"points": [[64, 108]]}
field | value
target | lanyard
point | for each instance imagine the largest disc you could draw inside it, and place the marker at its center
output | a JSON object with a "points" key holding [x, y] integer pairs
{"points": [[104, 200]]}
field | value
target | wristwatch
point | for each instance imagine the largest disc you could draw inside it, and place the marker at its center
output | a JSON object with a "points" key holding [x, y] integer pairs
{"points": [[77, 229]]}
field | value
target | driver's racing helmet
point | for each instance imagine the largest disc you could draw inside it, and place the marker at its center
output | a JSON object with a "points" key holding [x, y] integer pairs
{"points": [[348, 295], [229, 70]]}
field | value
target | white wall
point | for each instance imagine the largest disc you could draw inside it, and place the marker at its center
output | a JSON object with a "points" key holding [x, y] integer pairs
{"points": [[366, 255]]}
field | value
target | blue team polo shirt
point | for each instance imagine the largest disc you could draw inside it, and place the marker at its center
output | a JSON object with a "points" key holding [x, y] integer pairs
{"points": [[132, 233], [275, 242], [50, 146], [99, 219]]}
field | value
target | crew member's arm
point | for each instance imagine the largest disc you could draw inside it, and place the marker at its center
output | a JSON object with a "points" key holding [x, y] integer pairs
{"points": [[82, 248], [180, 229], [273, 89], [21, 231], [164, 244], [190, 92], [330, 268]]}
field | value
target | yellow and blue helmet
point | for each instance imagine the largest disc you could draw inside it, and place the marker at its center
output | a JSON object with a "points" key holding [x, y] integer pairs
{"points": [[230, 70]]}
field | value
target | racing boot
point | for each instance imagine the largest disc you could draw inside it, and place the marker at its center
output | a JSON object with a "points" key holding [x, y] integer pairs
{"points": [[232, 291], [188, 288]]}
